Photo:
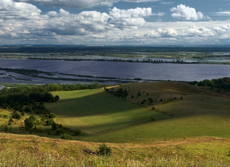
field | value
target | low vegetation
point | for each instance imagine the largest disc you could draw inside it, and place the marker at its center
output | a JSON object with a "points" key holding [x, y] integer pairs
{"points": [[139, 124]]}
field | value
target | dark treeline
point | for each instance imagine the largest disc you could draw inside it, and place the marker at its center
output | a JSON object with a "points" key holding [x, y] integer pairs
{"points": [[222, 83], [111, 49], [28, 99], [178, 61]]}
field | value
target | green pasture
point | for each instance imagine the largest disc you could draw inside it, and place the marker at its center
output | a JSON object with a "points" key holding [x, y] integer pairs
{"points": [[106, 118], [203, 113], [95, 111]]}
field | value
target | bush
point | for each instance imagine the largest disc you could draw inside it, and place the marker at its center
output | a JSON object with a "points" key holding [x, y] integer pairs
{"points": [[104, 150], [60, 131], [16, 115], [56, 98], [28, 124], [66, 136], [49, 121], [11, 120], [32, 118], [54, 126], [52, 115], [152, 119], [77, 132]]}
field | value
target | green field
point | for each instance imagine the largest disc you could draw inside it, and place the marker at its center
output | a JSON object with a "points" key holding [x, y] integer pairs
{"points": [[95, 111], [106, 118]]}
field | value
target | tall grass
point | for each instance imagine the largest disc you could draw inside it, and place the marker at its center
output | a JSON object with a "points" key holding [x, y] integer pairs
{"points": [[53, 154]]}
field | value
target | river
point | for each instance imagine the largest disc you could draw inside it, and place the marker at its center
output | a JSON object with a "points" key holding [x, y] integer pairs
{"points": [[164, 71]]}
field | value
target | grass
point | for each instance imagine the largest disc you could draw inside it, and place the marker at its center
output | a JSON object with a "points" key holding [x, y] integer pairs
{"points": [[29, 150], [196, 133], [202, 112], [105, 118], [95, 111]]}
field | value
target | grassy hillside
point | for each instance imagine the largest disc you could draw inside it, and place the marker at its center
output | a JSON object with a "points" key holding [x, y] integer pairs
{"points": [[95, 111], [180, 110], [30, 150]]}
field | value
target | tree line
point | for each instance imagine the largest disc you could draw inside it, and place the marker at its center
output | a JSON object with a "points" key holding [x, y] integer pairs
{"points": [[221, 83]]}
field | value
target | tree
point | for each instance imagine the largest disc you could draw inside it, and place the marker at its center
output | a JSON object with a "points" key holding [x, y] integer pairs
{"points": [[16, 115], [28, 124], [54, 126], [56, 98]]}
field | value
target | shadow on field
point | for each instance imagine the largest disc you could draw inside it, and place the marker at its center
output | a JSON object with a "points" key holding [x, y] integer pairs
{"points": [[92, 105], [100, 112]]}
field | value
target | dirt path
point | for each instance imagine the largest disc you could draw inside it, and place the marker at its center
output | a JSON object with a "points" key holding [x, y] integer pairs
{"points": [[113, 145]]}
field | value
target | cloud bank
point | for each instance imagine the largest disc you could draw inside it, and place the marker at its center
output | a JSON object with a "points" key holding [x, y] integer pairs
{"points": [[24, 23], [81, 3], [186, 13]]}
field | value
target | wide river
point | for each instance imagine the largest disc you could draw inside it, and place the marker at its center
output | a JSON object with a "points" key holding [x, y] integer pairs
{"points": [[175, 72]]}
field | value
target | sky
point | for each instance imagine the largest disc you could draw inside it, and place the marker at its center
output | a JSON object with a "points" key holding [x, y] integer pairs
{"points": [[114, 22]]}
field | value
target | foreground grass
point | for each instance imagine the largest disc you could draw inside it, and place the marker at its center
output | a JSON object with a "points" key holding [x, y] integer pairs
{"points": [[35, 151]]}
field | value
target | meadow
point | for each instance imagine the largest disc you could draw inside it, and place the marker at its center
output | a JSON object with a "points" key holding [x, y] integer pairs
{"points": [[179, 110], [145, 124]]}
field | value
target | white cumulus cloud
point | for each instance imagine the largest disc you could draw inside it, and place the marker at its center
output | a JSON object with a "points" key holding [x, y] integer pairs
{"points": [[186, 13], [131, 17], [10, 9]]}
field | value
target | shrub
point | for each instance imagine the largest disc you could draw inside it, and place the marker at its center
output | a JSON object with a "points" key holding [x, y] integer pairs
{"points": [[104, 150], [6, 128], [5, 116], [56, 98], [77, 132], [52, 115], [66, 136], [49, 121], [60, 131], [16, 115], [28, 124], [11, 120], [54, 126], [32, 118], [28, 110], [152, 119]]}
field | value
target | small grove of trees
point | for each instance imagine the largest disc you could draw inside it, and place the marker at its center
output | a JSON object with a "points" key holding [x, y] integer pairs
{"points": [[221, 83], [119, 93]]}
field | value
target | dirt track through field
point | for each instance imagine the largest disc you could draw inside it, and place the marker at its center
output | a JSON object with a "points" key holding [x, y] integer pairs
{"points": [[113, 145]]}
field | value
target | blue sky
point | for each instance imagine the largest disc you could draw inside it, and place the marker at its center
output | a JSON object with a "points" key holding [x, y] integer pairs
{"points": [[115, 22]]}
